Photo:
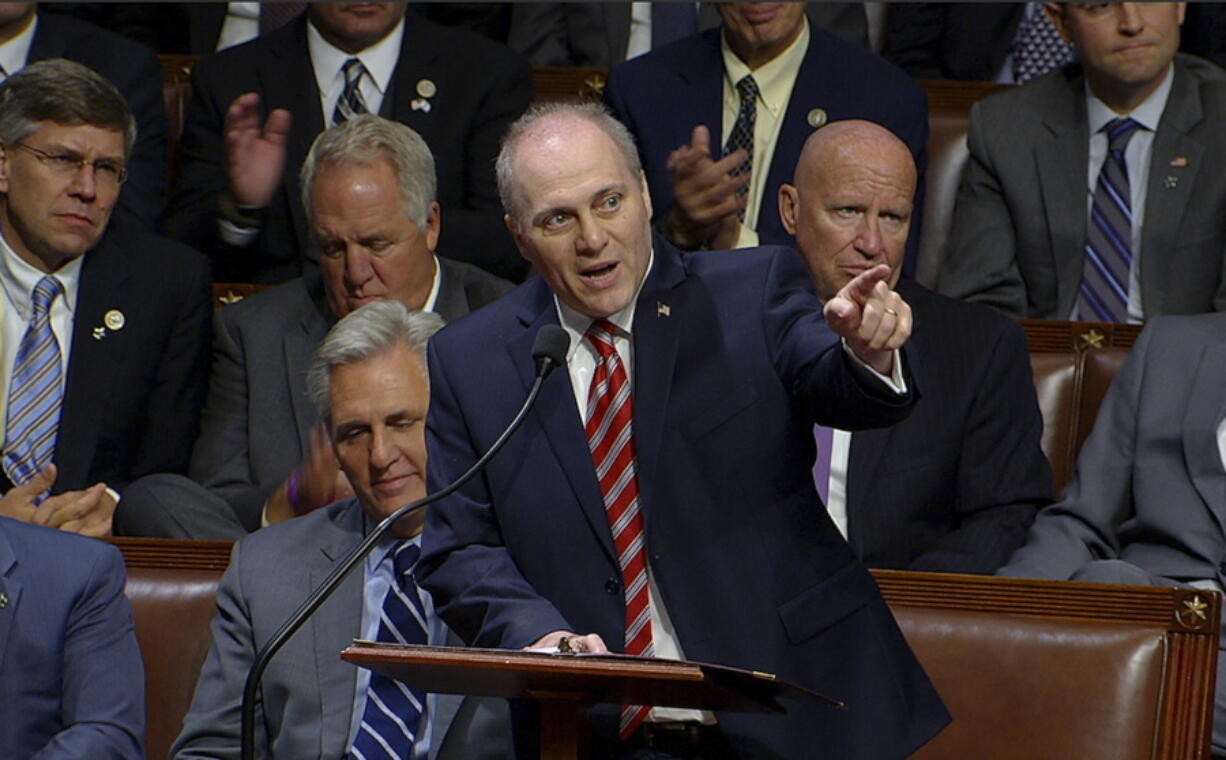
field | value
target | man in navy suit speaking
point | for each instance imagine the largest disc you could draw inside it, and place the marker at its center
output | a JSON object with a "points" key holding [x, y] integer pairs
{"points": [[659, 499]]}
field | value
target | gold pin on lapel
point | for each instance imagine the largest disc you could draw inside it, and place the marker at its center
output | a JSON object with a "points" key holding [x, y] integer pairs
{"points": [[99, 333], [817, 117], [663, 310], [114, 319], [426, 88]]}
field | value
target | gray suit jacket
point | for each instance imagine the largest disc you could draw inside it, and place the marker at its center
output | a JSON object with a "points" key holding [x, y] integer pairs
{"points": [[257, 419], [308, 689], [1019, 225], [1149, 488]]}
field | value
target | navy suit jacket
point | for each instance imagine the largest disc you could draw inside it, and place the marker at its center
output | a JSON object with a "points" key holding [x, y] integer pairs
{"points": [[955, 486], [72, 685], [137, 74], [481, 87], [663, 95], [733, 363]]}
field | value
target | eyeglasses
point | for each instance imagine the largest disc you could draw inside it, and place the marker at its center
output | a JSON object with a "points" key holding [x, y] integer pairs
{"points": [[106, 171]]}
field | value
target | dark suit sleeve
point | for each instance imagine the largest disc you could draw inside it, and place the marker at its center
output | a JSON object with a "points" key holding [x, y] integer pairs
{"points": [[211, 727], [1003, 477], [191, 215], [463, 547], [981, 258], [220, 460], [539, 31], [810, 359], [173, 405], [474, 230], [145, 189], [913, 36], [104, 685]]}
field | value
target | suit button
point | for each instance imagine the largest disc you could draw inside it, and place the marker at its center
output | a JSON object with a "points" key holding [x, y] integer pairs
{"points": [[612, 586]]}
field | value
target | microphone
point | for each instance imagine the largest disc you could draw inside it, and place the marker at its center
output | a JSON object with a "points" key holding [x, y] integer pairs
{"points": [[550, 347], [549, 350]]}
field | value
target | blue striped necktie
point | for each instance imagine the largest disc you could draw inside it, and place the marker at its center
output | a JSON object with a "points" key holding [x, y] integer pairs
{"points": [[351, 103], [393, 710], [36, 391], [742, 132], [1108, 254]]}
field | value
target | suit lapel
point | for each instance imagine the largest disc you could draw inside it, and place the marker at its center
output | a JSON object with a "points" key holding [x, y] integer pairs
{"points": [[658, 318], [299, 346], [558, 416], [93, 364], [10, 590], [420, 58], [1062, 162], [1170, 187], [46, 43], [703, 96], [451, 303], [333, 627], [288, 80], [813, 89], [1205, 411]]}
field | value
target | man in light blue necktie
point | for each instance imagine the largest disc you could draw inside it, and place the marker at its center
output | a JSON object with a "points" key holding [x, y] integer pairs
{"points": [[105, 329]]}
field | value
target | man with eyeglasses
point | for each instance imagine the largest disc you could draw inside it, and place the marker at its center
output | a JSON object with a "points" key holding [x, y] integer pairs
{"points": [[104, 334]]}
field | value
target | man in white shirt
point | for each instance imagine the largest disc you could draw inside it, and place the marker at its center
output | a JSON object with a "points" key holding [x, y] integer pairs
{"points": [[369, 190], [720, 118], [1093, 192], [456, 89], [954, 487], [105, 329]]}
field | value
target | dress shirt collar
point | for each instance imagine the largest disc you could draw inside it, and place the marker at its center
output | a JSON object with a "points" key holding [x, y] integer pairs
{"points": [[576, 324], [432, 298], [1148, 114], [775, 78], [379, 59], [18, 279], [15, 52], [385, 545]]}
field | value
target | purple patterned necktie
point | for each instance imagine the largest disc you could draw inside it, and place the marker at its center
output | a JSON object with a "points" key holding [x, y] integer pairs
{"points": [[1108, 254]]}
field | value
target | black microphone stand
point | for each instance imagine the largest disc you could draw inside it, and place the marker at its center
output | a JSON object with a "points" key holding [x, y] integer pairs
{"points": [[548, 356]]}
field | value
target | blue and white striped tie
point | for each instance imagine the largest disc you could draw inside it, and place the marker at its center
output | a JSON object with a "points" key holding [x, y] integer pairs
{"points": [[1108, 254], [36, 392], [742, 133], [393, 710], [351, 103]]}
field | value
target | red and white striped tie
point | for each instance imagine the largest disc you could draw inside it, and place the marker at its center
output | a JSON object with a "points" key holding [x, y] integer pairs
{"points": [[610, 413]]}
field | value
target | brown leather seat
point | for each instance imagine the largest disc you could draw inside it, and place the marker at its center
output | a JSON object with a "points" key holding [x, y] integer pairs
{"points": [[1053, 669], [173, 589]]}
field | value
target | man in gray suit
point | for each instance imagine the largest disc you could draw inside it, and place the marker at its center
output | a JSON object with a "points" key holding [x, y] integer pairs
{"points": [[1148, 502], [1020, 229], [368, 380], [369, 189]]}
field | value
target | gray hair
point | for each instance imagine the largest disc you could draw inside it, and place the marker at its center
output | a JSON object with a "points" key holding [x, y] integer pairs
{"points": [[65, 93], [594, 113], [364, 140], [365, 333]]}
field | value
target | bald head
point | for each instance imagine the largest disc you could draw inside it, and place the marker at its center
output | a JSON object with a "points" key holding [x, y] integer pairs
{"points": [[850, 207]]}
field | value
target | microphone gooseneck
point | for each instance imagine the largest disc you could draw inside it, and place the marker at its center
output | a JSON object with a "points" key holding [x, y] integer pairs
{"points": [[549, 350]]}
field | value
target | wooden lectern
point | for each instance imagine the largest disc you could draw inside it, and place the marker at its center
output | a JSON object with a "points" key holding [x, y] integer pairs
{"points": [[565, 685]]}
